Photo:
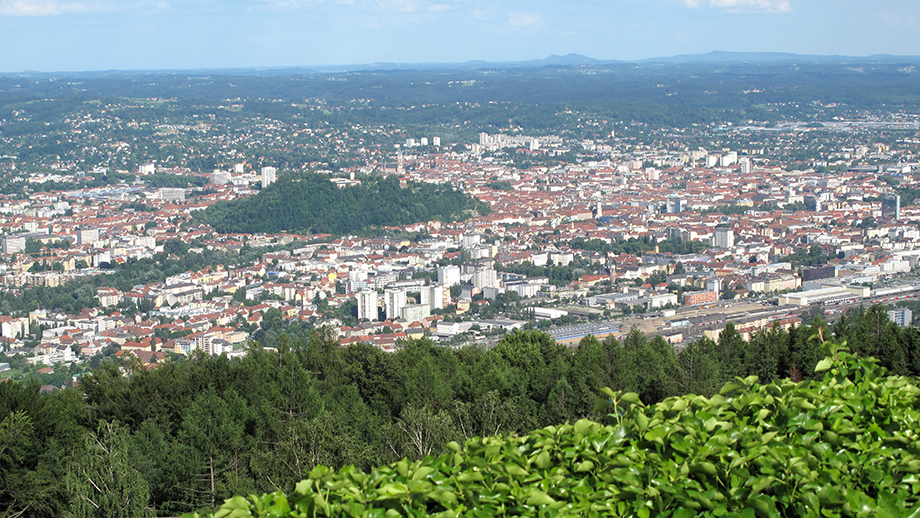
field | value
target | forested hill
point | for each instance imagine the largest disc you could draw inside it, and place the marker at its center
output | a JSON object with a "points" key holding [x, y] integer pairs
{"points": [[310, 203]]}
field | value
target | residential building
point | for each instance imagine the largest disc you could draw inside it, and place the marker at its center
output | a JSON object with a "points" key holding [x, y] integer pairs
{"points": [[901, 316], [700, 297], [433, 296], [394, 301], [367, 305], [723, 238], [449, 275], [268, 176]]}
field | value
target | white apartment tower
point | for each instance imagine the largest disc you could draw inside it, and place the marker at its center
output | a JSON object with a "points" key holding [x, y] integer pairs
{"points": [[723, 238], [433, 296], [449, 275], [395, 301], [486, 278], [268, 176], [746, 166], [367, 305]]}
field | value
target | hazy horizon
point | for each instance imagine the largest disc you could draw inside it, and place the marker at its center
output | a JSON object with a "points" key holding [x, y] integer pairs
{"points": [[98, 35]]}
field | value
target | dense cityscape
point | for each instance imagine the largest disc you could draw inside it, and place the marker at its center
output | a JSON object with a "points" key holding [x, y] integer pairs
{"points": [[603, 289], [589, 231]]}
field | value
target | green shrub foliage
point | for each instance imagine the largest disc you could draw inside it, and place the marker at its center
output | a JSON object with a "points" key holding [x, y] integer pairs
{"points": [[844, 445]]}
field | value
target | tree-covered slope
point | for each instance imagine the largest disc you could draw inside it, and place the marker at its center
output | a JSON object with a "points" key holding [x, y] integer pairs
{"points": [[310, 203], [842, 446]]}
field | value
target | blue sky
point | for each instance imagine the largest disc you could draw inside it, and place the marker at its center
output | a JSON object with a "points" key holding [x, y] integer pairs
{"points": [[74, 35]]}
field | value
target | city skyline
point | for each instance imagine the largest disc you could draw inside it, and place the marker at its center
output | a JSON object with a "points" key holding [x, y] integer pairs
{"points": [[49, 35]]}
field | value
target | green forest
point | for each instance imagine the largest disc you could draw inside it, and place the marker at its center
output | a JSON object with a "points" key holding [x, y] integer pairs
{"points": [[842, 445], [310, 203], [184, 437]]}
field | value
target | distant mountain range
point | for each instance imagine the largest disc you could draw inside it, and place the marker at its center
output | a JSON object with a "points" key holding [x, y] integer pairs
{"points": [[568, 60]]}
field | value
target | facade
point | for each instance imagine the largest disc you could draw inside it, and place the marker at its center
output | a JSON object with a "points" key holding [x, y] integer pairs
{"points": [[771, 283], [87, 236], [486, 278], [13, 244], [700, 297], [891, 206], [394, 301], [449, 275], [13, 327], [433, 296], [268, 176], [901, 316], [675, 205], [819, 272], [220, 177], [723, 238], [415, 312], [367, 305], [171, 194], [746, 167]]}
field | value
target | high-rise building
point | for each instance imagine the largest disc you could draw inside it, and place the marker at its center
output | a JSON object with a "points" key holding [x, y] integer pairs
{"points": [[723, 238], [395, 301], [146, 169], [470, 240], [436, 141], [87, 236], [891, 206], [675, 205], [746, 166], [485, 278], [728, 159], [449, 275], [14, 244], [367, 305], [433, 295], [268, 176], [239, 168], [901, 316]]}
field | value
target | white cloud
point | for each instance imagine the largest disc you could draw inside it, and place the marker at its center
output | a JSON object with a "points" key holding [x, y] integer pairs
{"points": [[896, 20], [768, 6], [524, 19], [41, 8]]}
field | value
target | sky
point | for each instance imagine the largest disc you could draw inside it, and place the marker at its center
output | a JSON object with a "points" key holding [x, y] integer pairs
{"points": [[92, 35]]}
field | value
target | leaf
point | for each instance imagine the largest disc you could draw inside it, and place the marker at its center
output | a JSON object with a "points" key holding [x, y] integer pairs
{"points": [[517, 471], [631, 397], [422, 472], [539, 498], [824, 365], [543, 460], [582, 425], [642, 421], [584, 466], [728, 387]]}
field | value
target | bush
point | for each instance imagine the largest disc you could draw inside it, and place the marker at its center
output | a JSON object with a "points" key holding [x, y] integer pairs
{"points": [[842, 446]]}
